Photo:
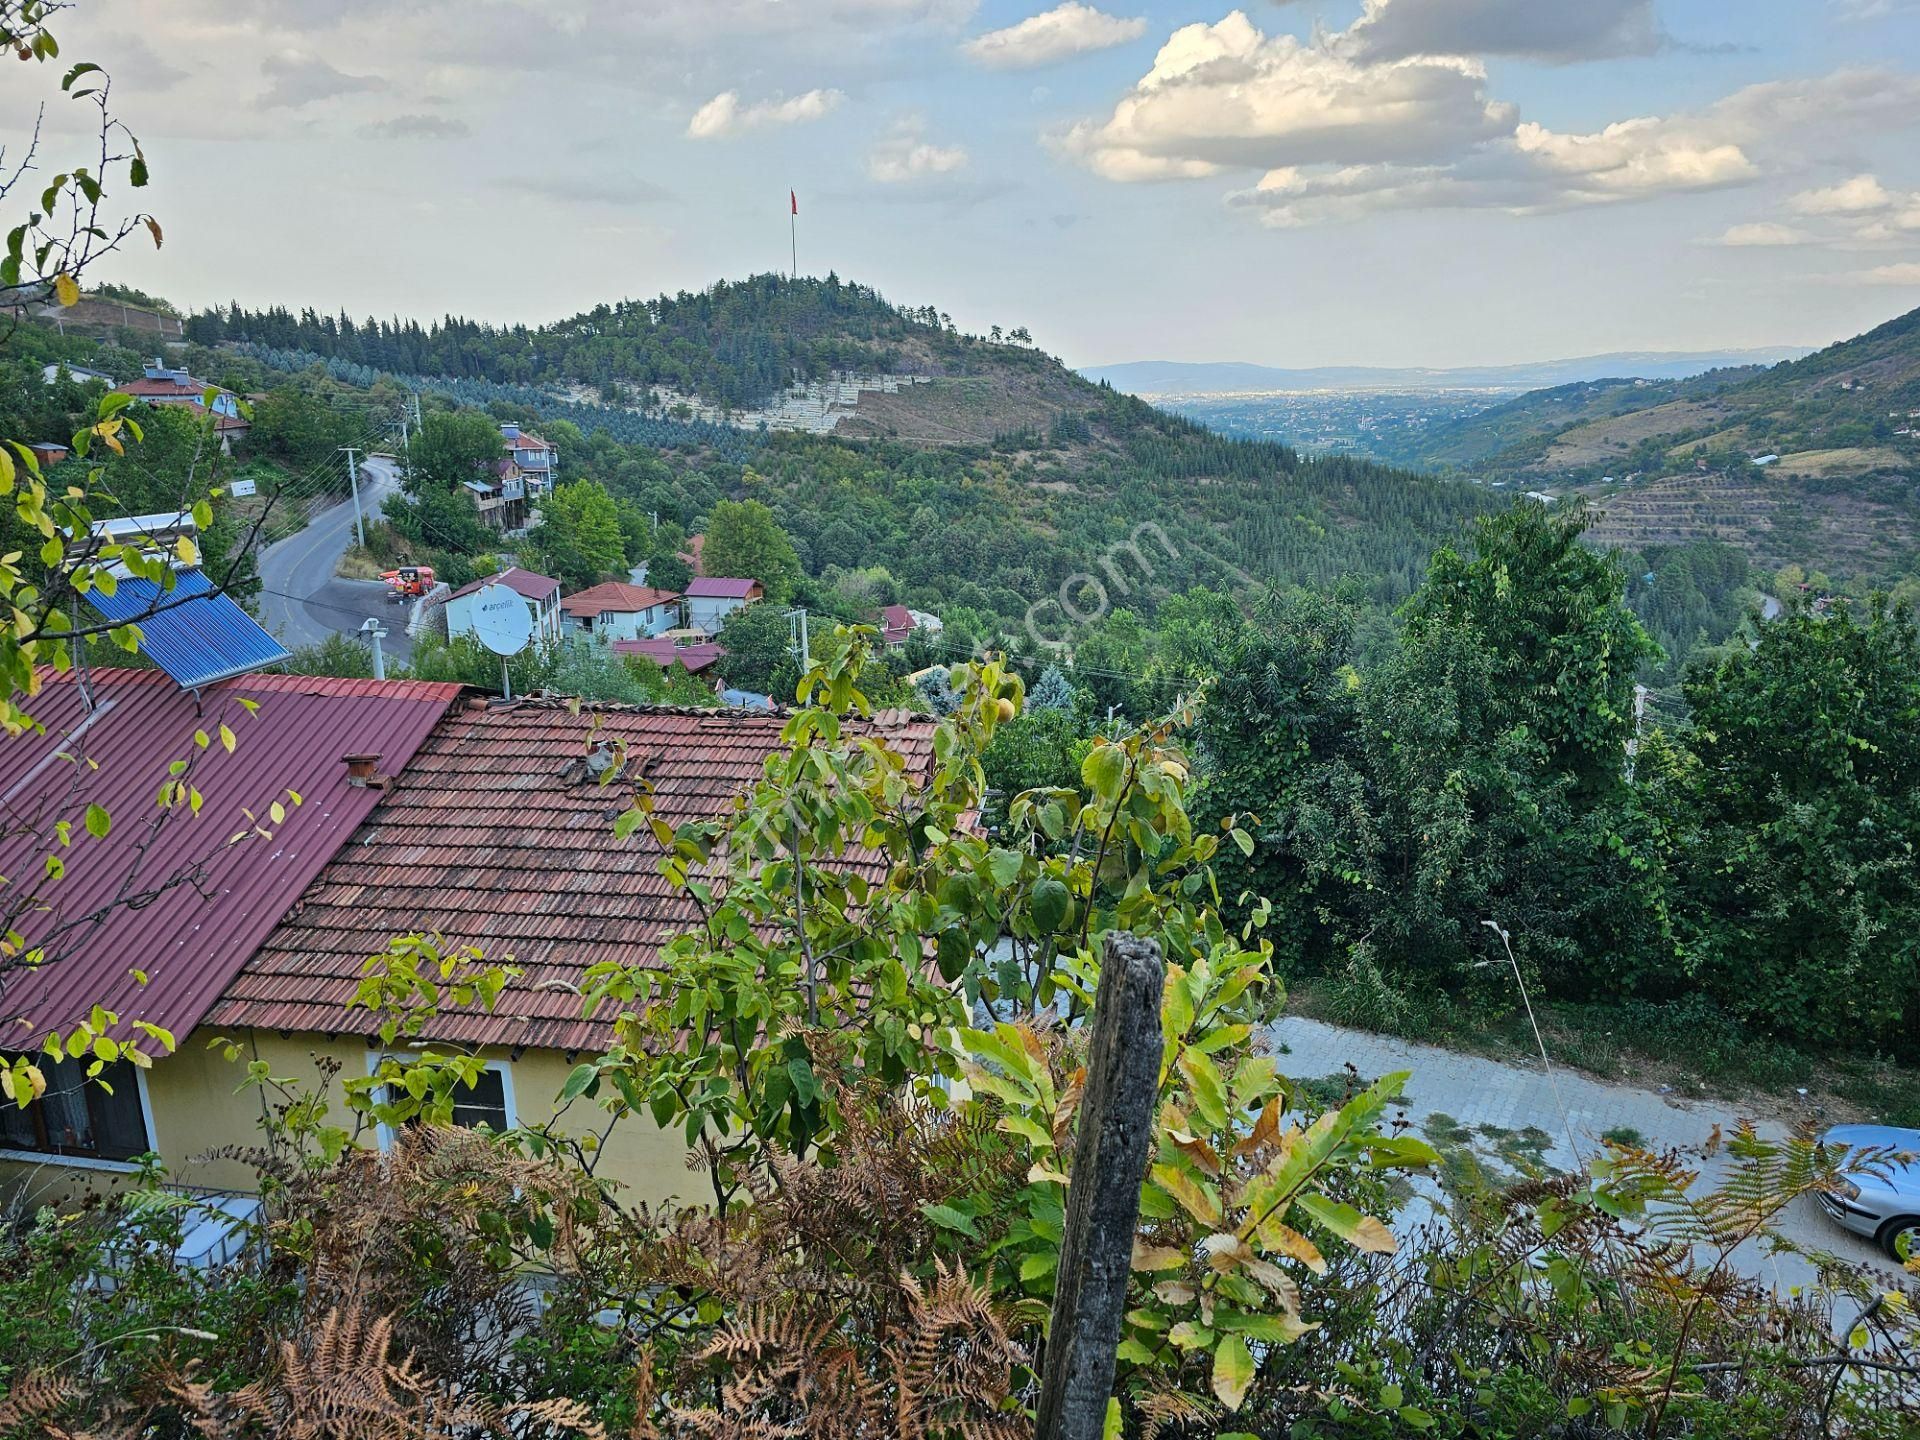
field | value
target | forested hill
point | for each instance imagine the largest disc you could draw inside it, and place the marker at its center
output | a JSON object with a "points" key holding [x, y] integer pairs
{"points": [[1842, 407], [984, 489], [736, 344]]}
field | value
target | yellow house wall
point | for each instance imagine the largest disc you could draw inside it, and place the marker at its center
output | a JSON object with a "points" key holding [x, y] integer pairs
{"points": [[197, 1105]]}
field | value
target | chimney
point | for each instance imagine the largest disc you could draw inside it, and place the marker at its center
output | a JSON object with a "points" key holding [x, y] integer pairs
{"points": [[360, 771]]}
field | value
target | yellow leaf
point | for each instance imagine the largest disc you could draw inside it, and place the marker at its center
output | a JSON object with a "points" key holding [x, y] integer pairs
{"points": [[1285, 1240], [1196, 1199], [1232, 1371], [66, 290], [1157, 1257], [188, 552]]}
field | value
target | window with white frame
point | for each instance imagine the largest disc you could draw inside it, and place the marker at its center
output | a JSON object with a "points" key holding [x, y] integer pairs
{"points": [[486, 1104], [104, 1118]]}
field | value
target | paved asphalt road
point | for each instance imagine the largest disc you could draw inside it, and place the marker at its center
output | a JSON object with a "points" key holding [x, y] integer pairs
{"points": [[1475, 1091], [302, 601]]}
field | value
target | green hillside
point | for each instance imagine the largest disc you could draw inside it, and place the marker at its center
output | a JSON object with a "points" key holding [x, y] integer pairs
{"points": [[1852, 396]]}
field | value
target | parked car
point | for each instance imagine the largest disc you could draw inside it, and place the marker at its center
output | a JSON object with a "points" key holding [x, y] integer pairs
{"points": [[1884, 1207]]}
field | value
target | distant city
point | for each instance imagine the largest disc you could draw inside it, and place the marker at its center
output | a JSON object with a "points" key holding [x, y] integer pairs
{"points": [[1381, 424]]}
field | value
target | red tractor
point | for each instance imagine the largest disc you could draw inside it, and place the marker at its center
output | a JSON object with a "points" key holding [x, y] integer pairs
{"points": [[409, 582]]}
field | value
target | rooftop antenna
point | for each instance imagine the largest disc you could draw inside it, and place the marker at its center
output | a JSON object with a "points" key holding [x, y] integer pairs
{"points": [[502, 623]]}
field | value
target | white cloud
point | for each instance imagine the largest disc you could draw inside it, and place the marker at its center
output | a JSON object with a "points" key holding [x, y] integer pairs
{"points": [[418, 127], [1861, 195], [1644, 156], [907, 155], [1760, 233], [1905, 273], [1766, 129], [1534, 29], [1226, 96], [1058, 34], [1871, 9], [724, 115], [295, 78]]}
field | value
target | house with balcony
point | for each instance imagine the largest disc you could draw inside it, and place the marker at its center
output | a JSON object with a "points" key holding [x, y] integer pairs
{"points": [[500, 500], [711, 598], [619, 611], [533, 458]]}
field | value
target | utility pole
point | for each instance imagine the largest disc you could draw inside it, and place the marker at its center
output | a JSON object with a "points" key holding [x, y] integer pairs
{"points": [[353, 479], [375, 633]]}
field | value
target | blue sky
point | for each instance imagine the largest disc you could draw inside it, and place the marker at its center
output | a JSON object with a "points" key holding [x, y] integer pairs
{"points": [[1323, 181]]}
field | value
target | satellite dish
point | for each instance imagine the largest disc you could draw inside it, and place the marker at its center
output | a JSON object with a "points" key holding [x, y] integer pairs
{"points": [[501, 620]]}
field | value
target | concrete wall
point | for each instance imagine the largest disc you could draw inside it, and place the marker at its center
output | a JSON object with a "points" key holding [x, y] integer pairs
{"points": [[196, 1105]]}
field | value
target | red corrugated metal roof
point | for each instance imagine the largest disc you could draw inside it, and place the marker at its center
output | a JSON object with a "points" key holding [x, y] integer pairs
{"points": [[191, 939], [521, 582], [495, 838], [616, 595], [663, 650], [721, 587]]}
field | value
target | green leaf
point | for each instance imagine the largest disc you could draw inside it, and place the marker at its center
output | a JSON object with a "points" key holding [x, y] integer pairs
{"points": [[805, 1087], [1232, 1371], [98, 822], [948, 1218], [1050, 905], [1110, 1428], [1004, 866], [1104, 770], [1208, 1090], [577, 1082], [1363, 1232]]}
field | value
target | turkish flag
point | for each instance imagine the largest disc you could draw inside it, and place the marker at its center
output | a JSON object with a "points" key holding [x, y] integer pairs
{"points": [[793, 200]]}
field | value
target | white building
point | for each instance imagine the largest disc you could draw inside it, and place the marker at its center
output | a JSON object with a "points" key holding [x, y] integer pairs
{"points": [[619, 611], [541, 592]]}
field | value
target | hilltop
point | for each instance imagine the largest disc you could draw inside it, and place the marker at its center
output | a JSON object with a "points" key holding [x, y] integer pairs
{"points": [[769, 352]]}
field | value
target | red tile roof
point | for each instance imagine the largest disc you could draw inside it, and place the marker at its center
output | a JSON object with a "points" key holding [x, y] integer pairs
{"points": [[494, 837], [616, 595], [720, 587], [147, 387], [523, 582], [663, 650], [193, 938], [897, 618]]}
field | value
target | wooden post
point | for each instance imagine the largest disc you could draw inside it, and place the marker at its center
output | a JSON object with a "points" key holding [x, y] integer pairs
{"points": [[1103, 1201]]}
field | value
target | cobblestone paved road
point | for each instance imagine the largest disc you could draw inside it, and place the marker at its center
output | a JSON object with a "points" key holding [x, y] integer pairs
{"points": [[1477, 1091]]}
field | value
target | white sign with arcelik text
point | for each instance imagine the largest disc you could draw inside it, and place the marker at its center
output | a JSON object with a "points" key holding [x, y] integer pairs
{"points": [[240, 488]]}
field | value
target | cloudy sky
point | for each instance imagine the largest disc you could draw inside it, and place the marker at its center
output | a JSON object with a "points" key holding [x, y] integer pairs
{"points": [[1321, 181]]}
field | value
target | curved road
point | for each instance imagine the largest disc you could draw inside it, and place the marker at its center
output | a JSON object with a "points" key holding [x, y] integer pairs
{"points": [[302, 601]]}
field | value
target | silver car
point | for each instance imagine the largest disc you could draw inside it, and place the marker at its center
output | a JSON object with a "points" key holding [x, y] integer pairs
{"points": [[1884, 1207]]}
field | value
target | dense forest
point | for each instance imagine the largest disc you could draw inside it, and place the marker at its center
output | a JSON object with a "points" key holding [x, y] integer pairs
{"points": [[735, 344]]}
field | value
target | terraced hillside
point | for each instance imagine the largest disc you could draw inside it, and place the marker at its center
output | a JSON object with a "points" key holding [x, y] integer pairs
{"points": [[1773, 516]]}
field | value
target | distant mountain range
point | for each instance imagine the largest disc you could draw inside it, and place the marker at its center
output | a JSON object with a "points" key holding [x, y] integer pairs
{"points": [[1173, 377]]}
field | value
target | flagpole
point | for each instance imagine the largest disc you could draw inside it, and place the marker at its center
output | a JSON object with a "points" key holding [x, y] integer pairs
{"points": [[793, 239]]}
